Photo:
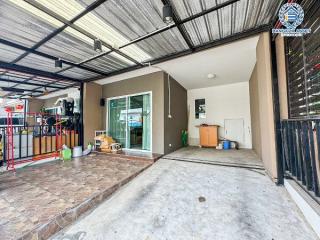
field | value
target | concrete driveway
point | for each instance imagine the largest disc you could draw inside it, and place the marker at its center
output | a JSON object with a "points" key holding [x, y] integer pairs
{"points": [[175, 200]]}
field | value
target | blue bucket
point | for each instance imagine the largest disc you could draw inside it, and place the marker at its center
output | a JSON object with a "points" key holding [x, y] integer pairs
{"points": [[226, 145]]}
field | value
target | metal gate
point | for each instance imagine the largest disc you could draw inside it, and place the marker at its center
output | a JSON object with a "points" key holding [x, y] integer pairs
{"points": [[301, 133]]}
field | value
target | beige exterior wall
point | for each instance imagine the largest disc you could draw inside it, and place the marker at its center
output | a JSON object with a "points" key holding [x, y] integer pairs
{"points": [[255, 113], [179, 115], [282, 77], [147, 83], [92, 111], [262, 109], [165, 131]]}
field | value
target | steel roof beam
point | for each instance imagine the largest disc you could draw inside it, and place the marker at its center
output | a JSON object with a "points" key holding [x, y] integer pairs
{"points": [[180, 27], [79, 29], [237, 36], [73, 85], [30, 50], [195, 16], [209, 10], [31, 71], [176, 24], [25, 90], [158, 31], [59, 30], [26, 83]]}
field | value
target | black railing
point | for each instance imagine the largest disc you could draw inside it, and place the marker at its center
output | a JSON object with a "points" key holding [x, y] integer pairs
{"points": [[33, 141], [301, 146]]}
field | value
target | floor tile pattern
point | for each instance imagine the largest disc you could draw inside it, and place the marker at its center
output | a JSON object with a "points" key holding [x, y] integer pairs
{"points": [[40, 200]]}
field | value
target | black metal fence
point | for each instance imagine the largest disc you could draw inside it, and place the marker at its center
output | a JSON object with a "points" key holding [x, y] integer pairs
{"points": [[301, 152], [33, 141]]}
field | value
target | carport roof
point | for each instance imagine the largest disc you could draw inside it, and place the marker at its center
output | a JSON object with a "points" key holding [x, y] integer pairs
{"points": [[35, 33]]}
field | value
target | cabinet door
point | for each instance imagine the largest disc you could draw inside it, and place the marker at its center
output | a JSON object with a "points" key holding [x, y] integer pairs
{"points": [[213, 136], [204, 139]]}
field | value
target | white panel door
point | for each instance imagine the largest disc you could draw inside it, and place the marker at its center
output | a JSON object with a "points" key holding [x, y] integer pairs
{"points": [[234, 130]]}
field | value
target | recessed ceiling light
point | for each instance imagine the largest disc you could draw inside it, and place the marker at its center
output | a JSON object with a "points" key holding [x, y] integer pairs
{"points": [[211, 76]]}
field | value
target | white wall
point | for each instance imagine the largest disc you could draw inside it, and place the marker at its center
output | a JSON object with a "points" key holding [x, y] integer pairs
{"points": [[222, 102]]}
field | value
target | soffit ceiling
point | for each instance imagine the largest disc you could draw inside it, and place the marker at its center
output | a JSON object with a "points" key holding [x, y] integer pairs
{"points": [[231, 63]]}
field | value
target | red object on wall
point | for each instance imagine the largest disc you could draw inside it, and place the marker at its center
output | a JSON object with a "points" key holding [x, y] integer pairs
{"points": [[19, 107], [8, 109]]}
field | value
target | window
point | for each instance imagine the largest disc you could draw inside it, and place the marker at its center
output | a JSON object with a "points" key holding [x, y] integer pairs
{"points": [[303, 66]]}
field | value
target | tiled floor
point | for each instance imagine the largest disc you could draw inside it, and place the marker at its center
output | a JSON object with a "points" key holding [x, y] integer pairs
{"points": [[40, 200]]}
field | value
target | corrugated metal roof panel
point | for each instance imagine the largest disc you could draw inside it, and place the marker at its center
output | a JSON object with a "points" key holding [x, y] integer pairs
{"points": [[20, 26], [40, 63], [70, 45], [78, 73], [8, 54], [109, 63], [163, 44], [133, 19]]}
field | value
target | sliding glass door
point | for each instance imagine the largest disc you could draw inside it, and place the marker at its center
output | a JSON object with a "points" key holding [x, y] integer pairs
{"points": [[129, 121], [118, 120]]}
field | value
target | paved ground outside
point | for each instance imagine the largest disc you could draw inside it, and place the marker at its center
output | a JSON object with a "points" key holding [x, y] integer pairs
{"points": [[176, 200], [242, 157], [38, 201]]}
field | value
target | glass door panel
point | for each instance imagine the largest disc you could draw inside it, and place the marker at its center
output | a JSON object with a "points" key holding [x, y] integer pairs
{"points": [[139, 122], [146, 121], [135, 126], [129, 121], [117, 123]]}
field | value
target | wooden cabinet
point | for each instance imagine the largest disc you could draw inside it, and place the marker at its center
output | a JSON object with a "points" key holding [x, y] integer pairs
{"points": [[209, 136]]}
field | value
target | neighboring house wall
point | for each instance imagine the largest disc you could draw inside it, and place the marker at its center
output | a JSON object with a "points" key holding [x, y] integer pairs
{"points": [[92, 111], [222, 102], [50, 102], [179, 114], [150, 82], [261, 84], [34, 106]]}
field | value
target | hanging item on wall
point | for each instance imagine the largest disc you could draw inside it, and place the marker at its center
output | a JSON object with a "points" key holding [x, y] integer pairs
{"points": [[19, 107], [200, 108]]}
